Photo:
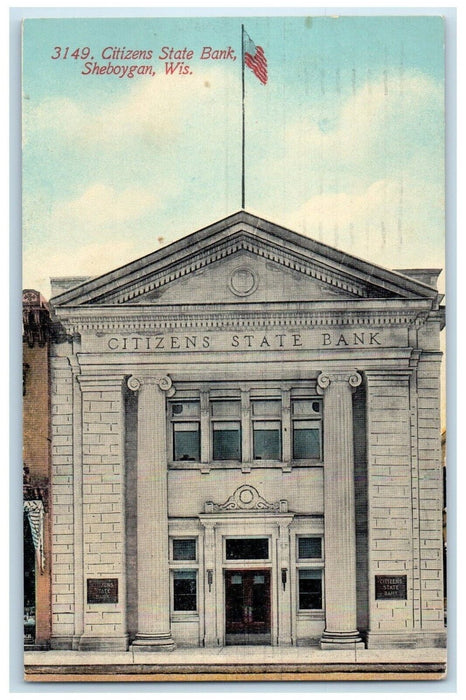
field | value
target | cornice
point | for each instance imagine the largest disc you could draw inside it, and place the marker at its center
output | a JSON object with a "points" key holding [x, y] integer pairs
{"points": [[231, 317]]}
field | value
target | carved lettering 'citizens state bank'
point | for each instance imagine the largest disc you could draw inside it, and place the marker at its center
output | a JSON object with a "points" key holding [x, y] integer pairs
{"points": [[246, 449], [245, 341]]}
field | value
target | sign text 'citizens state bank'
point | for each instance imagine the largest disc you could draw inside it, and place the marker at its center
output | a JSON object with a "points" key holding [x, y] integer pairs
{"points": [[243, 341]]}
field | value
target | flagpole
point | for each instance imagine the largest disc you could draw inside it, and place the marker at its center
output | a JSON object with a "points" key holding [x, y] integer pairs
{"points": [[242, 109]]}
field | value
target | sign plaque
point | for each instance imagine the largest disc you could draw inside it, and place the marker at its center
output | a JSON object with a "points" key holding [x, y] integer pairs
{"points": [[102, 590], [394, 587]]}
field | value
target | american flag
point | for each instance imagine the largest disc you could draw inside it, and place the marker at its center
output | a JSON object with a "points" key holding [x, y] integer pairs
{"points": [[254, 58]]}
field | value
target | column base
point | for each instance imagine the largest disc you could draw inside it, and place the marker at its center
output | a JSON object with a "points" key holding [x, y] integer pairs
{"points": [[153, 642], [341, 640]]}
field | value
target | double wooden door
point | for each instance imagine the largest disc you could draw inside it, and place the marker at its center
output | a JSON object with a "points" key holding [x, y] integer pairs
{"points": [[247, 606]]}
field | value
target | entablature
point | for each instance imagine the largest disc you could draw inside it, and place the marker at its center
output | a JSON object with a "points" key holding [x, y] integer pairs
{"points": [[142, 319]]}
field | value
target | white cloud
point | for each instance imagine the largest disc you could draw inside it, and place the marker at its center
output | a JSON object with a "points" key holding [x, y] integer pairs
{"points": [[386, 114], [389, 126], [152, 109], [101, 205], [392, 223], [101, 228], [370, 181], [87, 260], [381, 114]]}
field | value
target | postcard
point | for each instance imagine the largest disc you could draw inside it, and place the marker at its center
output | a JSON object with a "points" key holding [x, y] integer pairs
{"points": [[233, 373]]}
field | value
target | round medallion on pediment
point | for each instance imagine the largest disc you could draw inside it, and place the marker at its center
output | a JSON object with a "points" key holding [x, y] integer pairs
{"points": [[243, 281], [246, 496]]}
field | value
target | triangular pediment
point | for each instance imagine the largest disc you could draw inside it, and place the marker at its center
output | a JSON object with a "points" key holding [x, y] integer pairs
{"points": [[243, 259]]}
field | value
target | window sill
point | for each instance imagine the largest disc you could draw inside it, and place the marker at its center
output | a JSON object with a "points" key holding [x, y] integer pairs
{"points": [[184, 563], [311, 615], [246, 466], [310, 563], [180, 616]]}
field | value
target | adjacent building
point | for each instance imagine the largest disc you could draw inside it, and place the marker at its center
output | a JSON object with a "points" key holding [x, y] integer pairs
{"points": [[36, 470], [246, 449]]}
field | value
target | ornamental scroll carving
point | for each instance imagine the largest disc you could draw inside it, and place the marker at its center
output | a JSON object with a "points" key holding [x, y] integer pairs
{"points": [[353, 378], [163, 382], [247, 498]]}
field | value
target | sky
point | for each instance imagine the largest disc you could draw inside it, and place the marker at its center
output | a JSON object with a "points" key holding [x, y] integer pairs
{"points": [[345, 142]]}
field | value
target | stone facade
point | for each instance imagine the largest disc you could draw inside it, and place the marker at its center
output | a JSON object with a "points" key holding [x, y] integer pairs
{"points": [[247, 408]]}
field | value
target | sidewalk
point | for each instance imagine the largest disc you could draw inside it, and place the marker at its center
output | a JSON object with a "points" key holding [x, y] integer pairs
{"points": [[237, 663]]}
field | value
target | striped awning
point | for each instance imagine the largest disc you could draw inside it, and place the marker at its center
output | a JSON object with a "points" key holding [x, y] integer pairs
{"points": [[35, 514]]}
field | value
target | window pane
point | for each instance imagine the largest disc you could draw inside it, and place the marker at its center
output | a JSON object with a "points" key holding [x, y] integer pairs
{"points": [[225, 409], [310, 590], [186, 409], [306, 440], [247, 549], [267, 440], [309, 548], [186, 442], [184, 590], [226, 441], [267, 408], [306, 407], [184, 550]]}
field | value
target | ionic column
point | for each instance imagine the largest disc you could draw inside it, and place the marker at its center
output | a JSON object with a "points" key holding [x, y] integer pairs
{"points": [[154, 631], [339, 514]]}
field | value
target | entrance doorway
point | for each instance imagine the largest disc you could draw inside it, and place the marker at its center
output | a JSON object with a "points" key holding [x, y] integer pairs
{"points": [[29, 573], [247, 606]]}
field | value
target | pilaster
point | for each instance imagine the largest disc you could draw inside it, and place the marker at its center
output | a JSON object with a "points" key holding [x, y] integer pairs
{"points": [[210, 585], [103, 514], [284, 585], [392, 475], [205, 427], [78, 505], [246, 438], [286, 431], [63, 506]]}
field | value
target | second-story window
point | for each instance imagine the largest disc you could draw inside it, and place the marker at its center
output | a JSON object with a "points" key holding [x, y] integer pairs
{"points": [[226, 430], [185, 417], [266, 429], [307, 429]]}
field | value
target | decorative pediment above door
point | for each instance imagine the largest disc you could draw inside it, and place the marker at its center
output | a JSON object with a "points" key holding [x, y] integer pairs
{"points": [[246, 498]]}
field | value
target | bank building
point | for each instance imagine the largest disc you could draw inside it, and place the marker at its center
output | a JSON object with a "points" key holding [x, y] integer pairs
{"points": [[246, 449]]}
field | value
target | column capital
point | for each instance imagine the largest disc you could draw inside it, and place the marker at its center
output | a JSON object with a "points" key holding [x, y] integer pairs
{"points": [[351, 377], [163, 382]]}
